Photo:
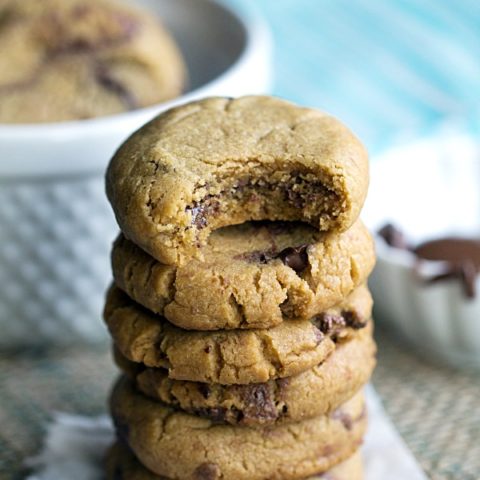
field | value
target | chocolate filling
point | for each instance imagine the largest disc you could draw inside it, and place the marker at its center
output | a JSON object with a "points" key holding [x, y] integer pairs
{"points": [[296, 194], [201, 211]]}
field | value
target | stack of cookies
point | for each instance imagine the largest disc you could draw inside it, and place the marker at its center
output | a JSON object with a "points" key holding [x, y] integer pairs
{"points": [[240, 314]]}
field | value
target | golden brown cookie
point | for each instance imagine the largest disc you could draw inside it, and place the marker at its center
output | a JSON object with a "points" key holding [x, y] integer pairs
{"points": [[232, 356], [315, 392], [253, 275], [121, 464], [74, 59], [219, 162], [181, 446]]}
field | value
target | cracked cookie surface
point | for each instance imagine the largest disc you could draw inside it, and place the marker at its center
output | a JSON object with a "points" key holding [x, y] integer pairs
{"points": [[121, 464], [253, 275], [232, 356], [181, 446], [315, 392], [219, 162], [75, 59]]}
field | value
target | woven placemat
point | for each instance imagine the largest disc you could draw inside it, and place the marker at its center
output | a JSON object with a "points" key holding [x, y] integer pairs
{"points": [[436, 409]]}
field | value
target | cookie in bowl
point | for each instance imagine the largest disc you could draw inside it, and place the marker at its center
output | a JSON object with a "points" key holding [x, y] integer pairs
{"points": [[75, 59]]}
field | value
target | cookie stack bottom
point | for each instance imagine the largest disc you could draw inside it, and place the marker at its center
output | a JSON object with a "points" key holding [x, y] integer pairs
{"points": [[174, 444], [290, 427], [121, 464]]}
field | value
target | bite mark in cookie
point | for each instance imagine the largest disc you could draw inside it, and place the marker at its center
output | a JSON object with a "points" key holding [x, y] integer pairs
{"points": [[246, 159]]}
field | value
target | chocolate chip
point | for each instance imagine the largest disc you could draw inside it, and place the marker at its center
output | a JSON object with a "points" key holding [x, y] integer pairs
{"points": [[259, 404], [205, 390], [393, 236], [207, 471], [329, 323], [199, 218], [345, 418], [353, 319], [295, 257], [216, 414], [207, 349], [201, 211]]}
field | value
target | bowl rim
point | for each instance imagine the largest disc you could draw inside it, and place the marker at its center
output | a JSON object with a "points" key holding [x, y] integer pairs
{"points": [[256, 31]]}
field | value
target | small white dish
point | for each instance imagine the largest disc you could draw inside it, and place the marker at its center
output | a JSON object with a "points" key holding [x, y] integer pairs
{"points": [[56, 226], [429, 189]]}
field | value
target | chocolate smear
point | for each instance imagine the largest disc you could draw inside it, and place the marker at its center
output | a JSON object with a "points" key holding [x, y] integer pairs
{"points": [[107, 81], [462, 256], [393, 236]]}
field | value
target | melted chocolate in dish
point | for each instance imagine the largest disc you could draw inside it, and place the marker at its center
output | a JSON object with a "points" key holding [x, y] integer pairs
{"points": [[462, 256]]}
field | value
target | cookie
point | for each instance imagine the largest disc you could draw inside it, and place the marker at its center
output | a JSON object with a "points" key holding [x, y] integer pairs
{"points": [[253, 275], [231, 356], [219, 162], [121, 464], [312, 393], [180, 446], [74, 59]]}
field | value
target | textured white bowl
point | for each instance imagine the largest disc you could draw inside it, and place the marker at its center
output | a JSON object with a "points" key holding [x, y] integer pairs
{"points": [[56, 226], [429, 189]]}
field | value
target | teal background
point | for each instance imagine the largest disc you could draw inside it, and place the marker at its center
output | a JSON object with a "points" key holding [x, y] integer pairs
{"points": [[393, 70]]}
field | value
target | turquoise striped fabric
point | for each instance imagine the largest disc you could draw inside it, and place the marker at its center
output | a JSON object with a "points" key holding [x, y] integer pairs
{"points": [[391, 69]]}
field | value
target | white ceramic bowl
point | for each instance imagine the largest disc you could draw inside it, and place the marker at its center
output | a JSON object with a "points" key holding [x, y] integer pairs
{"points": [[56, 226], [430, 189]]}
